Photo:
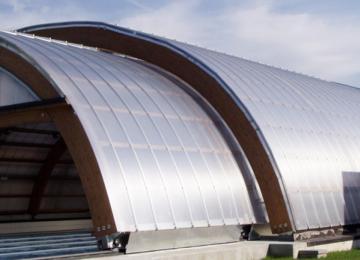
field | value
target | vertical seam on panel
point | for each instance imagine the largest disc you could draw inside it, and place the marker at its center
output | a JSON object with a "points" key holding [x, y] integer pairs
{"points": [[163, 139], [142, 131]]}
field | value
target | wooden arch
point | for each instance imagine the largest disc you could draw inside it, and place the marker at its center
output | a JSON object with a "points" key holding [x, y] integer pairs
{"points": [[71, 130], [144, 47]]}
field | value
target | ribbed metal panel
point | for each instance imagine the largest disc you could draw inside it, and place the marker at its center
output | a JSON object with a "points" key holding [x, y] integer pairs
{"points": [[164, 162], [312, 129], [309, 126]]}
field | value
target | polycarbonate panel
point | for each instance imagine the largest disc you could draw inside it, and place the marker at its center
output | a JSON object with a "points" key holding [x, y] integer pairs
{"points": [[164, 162], [13, 91], [311, 128]]}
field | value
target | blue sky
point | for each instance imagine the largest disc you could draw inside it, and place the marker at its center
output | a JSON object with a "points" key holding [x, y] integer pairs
{"points": [[315, 37]]}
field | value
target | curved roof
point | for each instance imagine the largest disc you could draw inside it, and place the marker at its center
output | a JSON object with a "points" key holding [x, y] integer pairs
{"points": [[164, 161], [308, 127]]}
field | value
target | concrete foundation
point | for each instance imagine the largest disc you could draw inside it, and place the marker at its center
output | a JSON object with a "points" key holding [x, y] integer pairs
{"points": [[181, 238], [244, 250]]}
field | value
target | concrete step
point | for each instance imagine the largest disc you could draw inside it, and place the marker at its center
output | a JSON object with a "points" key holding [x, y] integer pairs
{"points": [[49, 241], [19, 238], [46, 245], [49, 252]]}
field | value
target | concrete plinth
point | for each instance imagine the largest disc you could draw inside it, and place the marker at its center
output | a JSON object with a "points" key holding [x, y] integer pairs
{"points": [[243, 250]]}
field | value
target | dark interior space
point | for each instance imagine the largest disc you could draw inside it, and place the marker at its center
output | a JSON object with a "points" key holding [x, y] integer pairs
{"points": [[38, 178]]}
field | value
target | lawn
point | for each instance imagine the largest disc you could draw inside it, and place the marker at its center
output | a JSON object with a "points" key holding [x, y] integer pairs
{"points": [[352, 254]]}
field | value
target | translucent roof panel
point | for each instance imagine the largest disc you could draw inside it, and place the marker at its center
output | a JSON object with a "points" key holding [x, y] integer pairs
{"points": [[13, 91], [164, 162]]}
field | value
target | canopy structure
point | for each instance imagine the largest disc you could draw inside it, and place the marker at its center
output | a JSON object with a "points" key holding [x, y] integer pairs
{"points": [[152, 154], [165, 135]]}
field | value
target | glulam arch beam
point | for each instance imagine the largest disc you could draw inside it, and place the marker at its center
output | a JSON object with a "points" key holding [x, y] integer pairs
{"points": [[70, 129], [203, 80]]}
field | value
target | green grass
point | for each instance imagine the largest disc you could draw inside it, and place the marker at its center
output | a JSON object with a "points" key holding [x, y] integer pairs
{"points": [[343, 255]]}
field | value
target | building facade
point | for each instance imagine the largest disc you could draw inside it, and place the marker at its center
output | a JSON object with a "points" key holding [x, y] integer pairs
{"points": [[165, 135]]}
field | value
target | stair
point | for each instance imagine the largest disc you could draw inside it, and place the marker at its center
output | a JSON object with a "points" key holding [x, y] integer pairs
{"points": [[47, 245]]}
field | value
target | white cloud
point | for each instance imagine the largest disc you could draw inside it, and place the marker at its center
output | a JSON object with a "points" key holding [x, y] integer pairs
{"points": [[18, 5], [303, 42], [315, 45], [139, 4], [27, 12], [175, 20]]}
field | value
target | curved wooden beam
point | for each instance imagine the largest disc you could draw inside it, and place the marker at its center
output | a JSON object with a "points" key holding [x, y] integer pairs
{"points": [[70, 129], [44, 175], [27, 73], [101, 36], [86, 164]]}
